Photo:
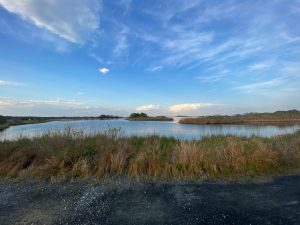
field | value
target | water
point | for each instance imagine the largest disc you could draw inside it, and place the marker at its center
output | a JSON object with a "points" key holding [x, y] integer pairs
{"points": [[142, 128]]}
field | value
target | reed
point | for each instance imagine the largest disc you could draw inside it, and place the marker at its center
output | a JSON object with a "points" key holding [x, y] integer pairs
{"points": [[71, 154]]}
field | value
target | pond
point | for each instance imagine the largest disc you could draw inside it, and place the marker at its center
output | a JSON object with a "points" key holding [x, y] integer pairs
{"points": [[145, 128]]}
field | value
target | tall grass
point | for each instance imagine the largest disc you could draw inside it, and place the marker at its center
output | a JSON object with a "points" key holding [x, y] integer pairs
{"points": [[278, 117], [71, 154]]}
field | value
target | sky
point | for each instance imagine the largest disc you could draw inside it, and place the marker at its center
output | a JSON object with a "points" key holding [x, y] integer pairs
{"points": [[170, 57]]}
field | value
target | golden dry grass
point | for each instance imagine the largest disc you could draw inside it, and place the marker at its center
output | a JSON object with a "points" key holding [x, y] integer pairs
{"points": [[71, 155], [279, 117]]}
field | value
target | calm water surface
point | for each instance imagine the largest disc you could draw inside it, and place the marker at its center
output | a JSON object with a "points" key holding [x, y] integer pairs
{"points": [[142, 128]]}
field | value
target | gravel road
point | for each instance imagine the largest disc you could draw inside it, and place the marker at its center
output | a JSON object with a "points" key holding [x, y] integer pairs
{"points": [[122, 202]]}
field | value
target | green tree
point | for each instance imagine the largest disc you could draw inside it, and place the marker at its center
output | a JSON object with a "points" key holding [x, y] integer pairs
{"points": [[2, 119], [138, 115]]}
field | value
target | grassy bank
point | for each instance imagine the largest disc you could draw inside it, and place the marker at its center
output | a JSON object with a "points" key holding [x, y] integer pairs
{"points": [[21, 121], [7, 121], [279, 117], [4, 126], [71, 154]]}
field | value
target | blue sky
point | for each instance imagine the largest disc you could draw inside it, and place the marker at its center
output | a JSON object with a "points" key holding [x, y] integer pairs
{"points": [[187, 57]]}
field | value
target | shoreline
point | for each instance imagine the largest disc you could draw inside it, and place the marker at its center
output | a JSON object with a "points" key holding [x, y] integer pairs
{"points": [[276, 118], [256, 122], [9, 124]]}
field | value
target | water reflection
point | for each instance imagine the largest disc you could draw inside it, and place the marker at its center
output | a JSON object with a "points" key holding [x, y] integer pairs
{"points": [[142, 128]]}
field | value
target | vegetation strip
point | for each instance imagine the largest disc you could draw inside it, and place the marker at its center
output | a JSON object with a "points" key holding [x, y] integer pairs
{"points": [[278, 117], [71, 154], [7, 121]]}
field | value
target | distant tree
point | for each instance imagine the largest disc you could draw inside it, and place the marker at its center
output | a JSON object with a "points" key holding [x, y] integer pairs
{"points": [[143, 115], [138, 115], [2, 119]]}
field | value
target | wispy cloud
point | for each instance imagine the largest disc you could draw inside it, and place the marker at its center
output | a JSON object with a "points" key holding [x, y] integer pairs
{"points": [[4, 102], [289, 38], [212, 78], [186, 48], [189, 34], [258, 86], [155, 68], [96, 57], [74, 22], [29, 34], [122, 43], [52, 107], [291, 69], [126, 4], [104, 70], [11, 83], [147, 107], [166, 10], [259, 66], [34, 103], [220, 11]]}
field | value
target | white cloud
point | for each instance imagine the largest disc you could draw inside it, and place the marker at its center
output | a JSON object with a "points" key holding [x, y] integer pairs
{"points": [[289, 38], [212, 78], [187, 107], [147, 107], [103, 70], [186, 48], [122, 42], [79, 93], [34, 103], [126, 4], [259, 66], [10, 83], [56, 102], [254, 87], [155, 68], [196, 41], [96, 57], [4, 102], [166, 10], [53, 107], [73, 21], [291, 70]]}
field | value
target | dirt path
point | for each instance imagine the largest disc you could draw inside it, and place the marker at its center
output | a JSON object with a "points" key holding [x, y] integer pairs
{"points": [[274, 202]]}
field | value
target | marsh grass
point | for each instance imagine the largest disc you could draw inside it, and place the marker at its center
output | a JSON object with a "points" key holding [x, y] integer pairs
{"points": [[71, 154], [277, 118]]}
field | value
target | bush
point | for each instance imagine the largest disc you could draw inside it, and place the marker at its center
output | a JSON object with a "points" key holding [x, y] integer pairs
{"points": [[138, 115], [2, 120]]}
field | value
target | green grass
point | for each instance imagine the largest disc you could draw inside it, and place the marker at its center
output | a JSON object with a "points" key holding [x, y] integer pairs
{"points": [[73, 155]]}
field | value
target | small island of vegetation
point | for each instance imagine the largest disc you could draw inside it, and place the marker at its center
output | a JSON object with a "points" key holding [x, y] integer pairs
{"points": [[145, 117]]}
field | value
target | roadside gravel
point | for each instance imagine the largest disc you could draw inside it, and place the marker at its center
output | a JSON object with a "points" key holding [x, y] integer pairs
{"points": [[123, 202]]}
